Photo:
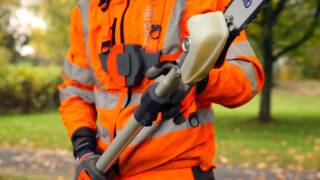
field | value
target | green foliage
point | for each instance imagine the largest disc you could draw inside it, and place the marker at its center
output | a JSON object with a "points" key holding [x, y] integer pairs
{"points": [[29, 87], [306, 60], [293, 22], [52, 44], [7, 50], [5, 56]]}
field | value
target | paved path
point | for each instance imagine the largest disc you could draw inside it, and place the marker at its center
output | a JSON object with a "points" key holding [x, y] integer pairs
{"points": [[58, 164]]}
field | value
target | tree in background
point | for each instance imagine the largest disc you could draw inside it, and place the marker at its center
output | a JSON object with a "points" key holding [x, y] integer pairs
{"points": [[283, 27]]}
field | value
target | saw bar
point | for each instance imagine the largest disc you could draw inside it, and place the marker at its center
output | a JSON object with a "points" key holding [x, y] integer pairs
{"points": [[239, 13]]}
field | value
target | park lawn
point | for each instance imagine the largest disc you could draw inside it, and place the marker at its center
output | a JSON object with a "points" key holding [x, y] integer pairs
{"points": [[291, 141], [41, 130]]}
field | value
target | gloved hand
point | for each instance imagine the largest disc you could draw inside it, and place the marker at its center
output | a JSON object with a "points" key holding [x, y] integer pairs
{"points": [[87, 170], [84, 150], [151, 104]]}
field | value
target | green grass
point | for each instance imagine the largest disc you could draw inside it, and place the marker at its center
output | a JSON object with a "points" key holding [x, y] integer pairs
{"points": [[292, 140], [43, 130]]}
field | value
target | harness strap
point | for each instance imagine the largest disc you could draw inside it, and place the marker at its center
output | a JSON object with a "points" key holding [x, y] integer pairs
{"points": [[131, 64]]}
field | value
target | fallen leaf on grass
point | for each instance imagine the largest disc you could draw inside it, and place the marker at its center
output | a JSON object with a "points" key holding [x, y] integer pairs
{"points": [[275, 165], [261, 165], [280, 176], [299, 169], [23, 141], [263, 152], [271, 158], [284, 143], [292, 151], [223, 160], [60, 178], [245, 153], [290, 167], [299, 158]]}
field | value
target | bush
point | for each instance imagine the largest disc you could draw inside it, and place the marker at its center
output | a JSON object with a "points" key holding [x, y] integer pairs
{"points": [[28, 88]]}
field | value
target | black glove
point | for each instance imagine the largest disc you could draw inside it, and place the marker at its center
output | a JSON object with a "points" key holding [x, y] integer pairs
{"points": [[84, 150], [83, 141], [86, 169], [151, 105]]}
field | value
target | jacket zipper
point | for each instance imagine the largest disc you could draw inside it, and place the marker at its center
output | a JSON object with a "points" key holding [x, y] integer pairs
{"points": [[123, 42]]}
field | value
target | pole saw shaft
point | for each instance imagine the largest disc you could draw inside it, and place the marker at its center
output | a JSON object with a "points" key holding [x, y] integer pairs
{"points": [[133, 127], [125, 137]]}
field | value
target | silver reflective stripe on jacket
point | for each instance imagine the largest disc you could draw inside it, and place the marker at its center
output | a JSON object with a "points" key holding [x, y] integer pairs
{"points": [[72, 91], [172, 40], [103, 133], [205, 117], [77, 73], [135, 99], [84, 8], [239, 49], [105, 100], [248, 69]]}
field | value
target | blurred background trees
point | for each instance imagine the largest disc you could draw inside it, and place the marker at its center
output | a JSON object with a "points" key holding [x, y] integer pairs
{"points": [[34, 39], [282, 33]]}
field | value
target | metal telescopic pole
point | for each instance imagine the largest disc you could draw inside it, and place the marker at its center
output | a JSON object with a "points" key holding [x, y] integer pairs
{"points": [[133, 127]]}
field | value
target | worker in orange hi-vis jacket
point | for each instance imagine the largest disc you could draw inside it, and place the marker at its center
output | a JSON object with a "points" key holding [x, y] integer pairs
{"points": [[112, 44]]}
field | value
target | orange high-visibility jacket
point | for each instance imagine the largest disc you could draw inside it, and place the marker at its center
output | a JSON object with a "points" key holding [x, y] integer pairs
{"points": [[95, 93]]}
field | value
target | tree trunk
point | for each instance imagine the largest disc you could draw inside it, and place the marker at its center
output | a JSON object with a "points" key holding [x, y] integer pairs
{"points": [[267, 55], [265, 103], [27, 101]]}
